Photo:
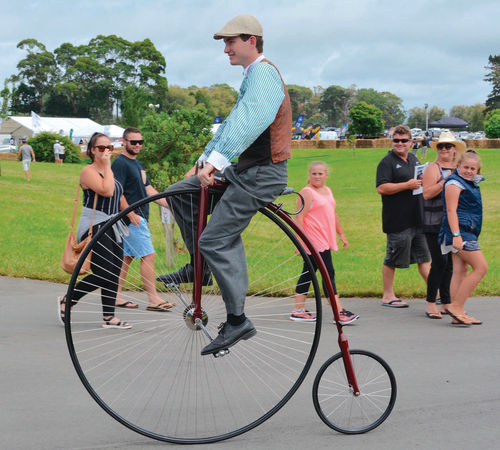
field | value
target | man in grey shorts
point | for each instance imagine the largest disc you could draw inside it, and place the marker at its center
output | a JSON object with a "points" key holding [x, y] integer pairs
{"points": [[26, 154], [402, 213], [258, 133]]}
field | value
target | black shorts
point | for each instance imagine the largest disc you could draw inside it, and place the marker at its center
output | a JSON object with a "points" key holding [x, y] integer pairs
{"points": [[406, 247]]}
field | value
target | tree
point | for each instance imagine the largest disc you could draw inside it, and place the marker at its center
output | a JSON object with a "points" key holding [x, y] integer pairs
{"points": [[222, 99], [473, 115], [5, 97], [173, 142], [390, 105], [36, 74], [492, 124], [476, 117], [179, 98], [300, 96], [203, 99], [336, 102], [43, 146], [436, 113], [135, 102], [416, 118], [493, 77], [366, 120], [87, 80]]}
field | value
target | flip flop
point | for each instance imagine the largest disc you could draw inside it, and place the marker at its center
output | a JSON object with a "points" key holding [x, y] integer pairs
{"points": [[398, 303], [433, 315], [60, 313], [119, 325], [128, 305], [165, 306], [460, 319], [474, 321]]}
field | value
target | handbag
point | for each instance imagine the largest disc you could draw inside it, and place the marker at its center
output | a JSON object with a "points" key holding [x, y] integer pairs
{"points": [[73, 249]]}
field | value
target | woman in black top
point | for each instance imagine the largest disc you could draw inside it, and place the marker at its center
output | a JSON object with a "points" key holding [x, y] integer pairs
{"points": [[107, 255], [448, 148]]}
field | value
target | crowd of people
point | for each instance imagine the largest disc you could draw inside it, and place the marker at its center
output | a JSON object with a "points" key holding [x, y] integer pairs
{"points": [[433, 221], [430, 218]]}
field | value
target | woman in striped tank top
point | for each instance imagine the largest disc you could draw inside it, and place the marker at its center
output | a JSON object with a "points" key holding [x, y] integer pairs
{"points": [[97, 179]]}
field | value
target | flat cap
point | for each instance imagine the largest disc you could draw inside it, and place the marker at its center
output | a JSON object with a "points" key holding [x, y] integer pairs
{"points": [[242, 24]]}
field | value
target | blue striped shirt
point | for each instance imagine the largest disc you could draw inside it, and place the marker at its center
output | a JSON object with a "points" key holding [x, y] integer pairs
{"points": [[261, 95]]}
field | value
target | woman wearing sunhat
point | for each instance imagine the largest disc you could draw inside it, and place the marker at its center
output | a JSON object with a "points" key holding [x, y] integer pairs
{"points": [[448, 149]]}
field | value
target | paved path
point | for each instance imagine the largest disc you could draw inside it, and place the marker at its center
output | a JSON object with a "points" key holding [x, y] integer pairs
{"points": [[448, 382]]}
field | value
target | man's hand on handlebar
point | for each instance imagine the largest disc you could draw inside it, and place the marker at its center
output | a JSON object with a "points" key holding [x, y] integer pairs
{"points": [[206, 174]]}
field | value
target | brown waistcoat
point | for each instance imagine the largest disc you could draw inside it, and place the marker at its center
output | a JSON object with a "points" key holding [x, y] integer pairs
{"points": [[274, 144]]}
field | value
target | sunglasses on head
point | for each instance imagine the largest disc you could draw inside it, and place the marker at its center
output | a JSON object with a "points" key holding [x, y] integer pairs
{"points": [[446, 146], [136, 141], [397, 141], [101, 148]]}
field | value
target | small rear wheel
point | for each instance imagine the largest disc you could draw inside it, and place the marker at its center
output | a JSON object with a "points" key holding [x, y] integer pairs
{"points": [[334, 398]]}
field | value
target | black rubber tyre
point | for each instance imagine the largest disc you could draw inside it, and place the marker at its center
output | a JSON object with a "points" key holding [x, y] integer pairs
{"points": [[335, 402]]}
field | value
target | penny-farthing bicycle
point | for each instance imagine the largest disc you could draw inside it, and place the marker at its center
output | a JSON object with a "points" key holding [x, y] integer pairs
{"points": [[152, 377]]}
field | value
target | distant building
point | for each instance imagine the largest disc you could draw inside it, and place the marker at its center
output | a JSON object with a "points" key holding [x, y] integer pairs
{"points": [[26, 126]]}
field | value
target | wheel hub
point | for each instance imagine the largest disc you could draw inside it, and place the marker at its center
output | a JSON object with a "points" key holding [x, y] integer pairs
{"points": [[189, 318]]}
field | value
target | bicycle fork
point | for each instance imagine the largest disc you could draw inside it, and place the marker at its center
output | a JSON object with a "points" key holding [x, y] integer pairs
{"points": [[342, 340], [199, 263]]}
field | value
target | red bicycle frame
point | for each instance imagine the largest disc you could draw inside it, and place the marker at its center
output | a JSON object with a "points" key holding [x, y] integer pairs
{"points": [[275, 208]]}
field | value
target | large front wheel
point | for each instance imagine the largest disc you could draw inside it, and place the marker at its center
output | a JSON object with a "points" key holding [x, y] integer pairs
{"points": [[336, 403], [152, 377]]}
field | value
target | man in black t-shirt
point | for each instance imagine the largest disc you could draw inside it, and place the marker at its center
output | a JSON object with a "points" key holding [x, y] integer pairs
{"points": [[136, 186], [402, 213]]}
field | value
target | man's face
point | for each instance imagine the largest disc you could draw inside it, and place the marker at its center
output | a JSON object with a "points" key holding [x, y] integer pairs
{"points": [[400, 147], [240, 52], [132, 143]]}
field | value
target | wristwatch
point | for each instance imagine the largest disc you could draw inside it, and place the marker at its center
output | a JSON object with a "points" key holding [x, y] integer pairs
{"points": [[456, 233]]}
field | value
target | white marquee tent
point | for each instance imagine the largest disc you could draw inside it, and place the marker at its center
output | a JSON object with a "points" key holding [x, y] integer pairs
{"points": [[19, 127]]}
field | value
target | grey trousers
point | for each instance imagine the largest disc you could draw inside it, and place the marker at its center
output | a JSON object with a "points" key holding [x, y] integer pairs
{"points": [[220, 243]]}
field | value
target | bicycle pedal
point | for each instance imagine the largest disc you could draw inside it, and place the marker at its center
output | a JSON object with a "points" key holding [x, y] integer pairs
{"points": [[171, 285], [221, 353]]}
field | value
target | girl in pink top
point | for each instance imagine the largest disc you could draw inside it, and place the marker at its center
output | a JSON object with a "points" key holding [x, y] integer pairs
{"points": [[321, 224]]}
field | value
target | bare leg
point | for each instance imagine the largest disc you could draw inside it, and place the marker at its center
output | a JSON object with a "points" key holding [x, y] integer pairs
{"points": [[423, 269], [300, 301], [148, 278], [337, 302], [463, 283], [127, 260], [388, 280]]}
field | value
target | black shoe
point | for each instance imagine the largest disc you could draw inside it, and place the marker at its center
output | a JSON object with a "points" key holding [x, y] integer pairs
{"points": [[185, 275], [230, 335]]}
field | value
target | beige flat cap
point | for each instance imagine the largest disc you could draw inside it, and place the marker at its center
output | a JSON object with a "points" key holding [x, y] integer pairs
{"points": [[242, 24]]}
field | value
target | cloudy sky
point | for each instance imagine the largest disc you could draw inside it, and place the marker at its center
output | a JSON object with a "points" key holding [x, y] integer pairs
{"points": [[421, 50]]}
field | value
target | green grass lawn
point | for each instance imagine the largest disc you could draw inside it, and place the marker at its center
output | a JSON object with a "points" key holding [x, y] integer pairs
{"points": [[36, 218]]}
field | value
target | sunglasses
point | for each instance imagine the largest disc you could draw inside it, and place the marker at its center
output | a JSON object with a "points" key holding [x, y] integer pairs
{"points": [[446, 146], [101, 148], [136, 141], [397, 141]]}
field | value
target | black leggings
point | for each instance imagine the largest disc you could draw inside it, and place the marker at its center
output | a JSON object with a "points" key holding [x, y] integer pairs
{"points": [[305, 278], [106, 263], [440, 273]]}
